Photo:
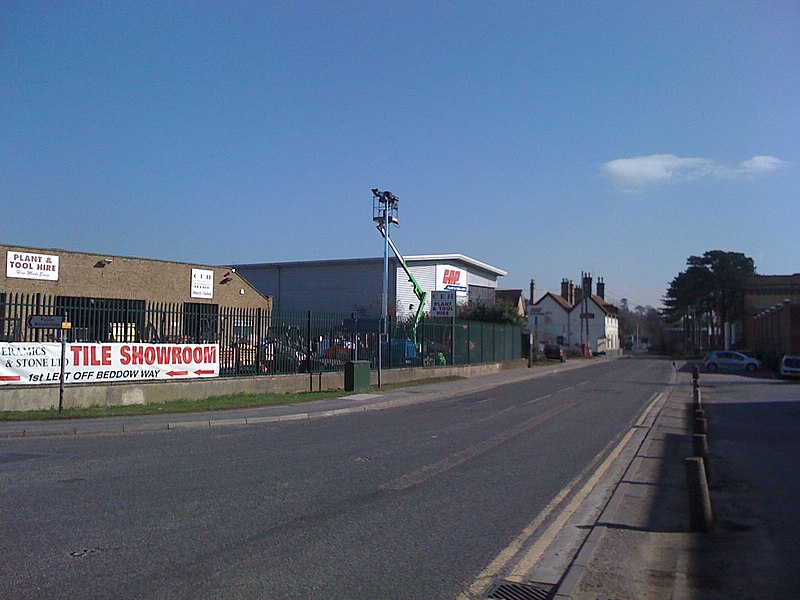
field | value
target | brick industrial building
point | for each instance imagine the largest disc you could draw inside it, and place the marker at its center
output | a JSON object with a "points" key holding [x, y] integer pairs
{"points": [[118, 289], [772, 315]]}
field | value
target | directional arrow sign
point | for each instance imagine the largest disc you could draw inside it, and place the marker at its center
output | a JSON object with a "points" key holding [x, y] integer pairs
{"points": [[45, 322]]}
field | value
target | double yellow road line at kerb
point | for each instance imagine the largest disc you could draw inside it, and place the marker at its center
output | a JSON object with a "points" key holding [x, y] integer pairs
{"points": [[515, 567]]}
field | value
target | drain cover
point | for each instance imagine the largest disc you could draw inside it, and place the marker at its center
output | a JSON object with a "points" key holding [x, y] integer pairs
{"points": [[510, 590], [86, 552]]}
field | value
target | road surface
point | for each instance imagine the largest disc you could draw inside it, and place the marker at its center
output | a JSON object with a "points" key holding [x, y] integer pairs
{"points": [[422, 501]]}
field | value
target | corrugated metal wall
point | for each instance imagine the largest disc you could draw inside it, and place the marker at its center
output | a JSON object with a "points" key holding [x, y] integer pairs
{"points": [[345, 287], [425, 276], [355, 286]]}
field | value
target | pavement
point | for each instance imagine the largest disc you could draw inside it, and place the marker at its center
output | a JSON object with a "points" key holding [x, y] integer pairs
{"points": [[639, 546]]}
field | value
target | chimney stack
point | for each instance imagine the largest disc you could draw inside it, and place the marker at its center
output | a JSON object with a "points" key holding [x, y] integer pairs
{"points": [[533, 290], [565, 289], [587, 285], [601, 288]]}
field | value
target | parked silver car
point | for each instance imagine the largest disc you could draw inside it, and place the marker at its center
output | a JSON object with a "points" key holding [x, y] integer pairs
{"points": [[790, 366], [730, 361]]}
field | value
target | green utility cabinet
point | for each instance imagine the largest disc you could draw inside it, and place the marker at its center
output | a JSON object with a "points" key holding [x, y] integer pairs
{"points": [[356, 375]]}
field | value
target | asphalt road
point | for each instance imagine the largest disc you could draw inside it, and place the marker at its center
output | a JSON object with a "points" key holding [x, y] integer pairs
{"points": [[412, 502]]}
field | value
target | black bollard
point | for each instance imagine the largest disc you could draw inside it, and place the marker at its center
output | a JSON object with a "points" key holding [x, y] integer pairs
{"points": [[700, 449], [700, 425], [700, 515]]}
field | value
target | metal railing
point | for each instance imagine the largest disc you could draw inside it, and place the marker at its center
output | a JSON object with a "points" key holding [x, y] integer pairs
{"points": [[253, 341]]}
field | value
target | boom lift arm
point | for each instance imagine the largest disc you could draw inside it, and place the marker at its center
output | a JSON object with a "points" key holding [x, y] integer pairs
{"points": [[421, 294]]}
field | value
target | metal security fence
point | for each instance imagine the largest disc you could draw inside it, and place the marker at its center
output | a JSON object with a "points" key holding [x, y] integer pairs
{"points": [[469, 342], [254, 341]]}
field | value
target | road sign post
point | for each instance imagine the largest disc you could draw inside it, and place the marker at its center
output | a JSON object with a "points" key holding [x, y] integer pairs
{"points": [[65, 326], [443, 305]]}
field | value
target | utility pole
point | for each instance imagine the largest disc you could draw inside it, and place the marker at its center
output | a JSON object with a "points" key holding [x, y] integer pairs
{"points": [[534, 334]]}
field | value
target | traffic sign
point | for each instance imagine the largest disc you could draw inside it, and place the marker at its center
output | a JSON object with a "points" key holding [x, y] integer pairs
{"points": [[45, 321]]}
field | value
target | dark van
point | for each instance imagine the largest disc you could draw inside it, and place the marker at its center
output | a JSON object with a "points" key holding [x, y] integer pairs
{"points": [[555, 351]]}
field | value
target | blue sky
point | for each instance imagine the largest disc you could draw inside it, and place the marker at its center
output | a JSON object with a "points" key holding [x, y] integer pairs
{"points": [[544, 138]]}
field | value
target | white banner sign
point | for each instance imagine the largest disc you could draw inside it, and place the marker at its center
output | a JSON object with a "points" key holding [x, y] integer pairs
{"points": [[32, 363], [24, 265], [202, 283]]}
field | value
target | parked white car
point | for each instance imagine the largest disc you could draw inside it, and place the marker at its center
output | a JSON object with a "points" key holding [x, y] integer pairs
{"points": [[730, 361], [790, 366]]}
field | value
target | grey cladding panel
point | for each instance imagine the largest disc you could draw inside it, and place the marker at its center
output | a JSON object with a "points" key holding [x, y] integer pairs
{"points": [[339, 288]]}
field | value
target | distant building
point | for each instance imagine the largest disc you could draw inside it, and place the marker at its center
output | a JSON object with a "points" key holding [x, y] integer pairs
{"points": [[515, 298], [356, 285], [772, 315], [572, 319]]}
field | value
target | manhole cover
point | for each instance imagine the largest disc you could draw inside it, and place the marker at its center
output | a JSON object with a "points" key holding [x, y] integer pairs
{"points": [[511, 590]]}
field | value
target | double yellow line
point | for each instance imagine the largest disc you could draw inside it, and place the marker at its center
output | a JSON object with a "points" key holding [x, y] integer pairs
{"points": [[529, 559]]}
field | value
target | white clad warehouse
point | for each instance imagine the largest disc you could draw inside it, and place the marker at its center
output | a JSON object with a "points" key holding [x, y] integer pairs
{"points": [[355, 285]]}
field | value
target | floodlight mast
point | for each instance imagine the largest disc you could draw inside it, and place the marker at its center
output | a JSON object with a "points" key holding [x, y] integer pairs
{"points": [[384, 213]]}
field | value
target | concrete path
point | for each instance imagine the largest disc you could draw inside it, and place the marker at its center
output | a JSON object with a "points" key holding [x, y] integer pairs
{"points": [[641, 547]]}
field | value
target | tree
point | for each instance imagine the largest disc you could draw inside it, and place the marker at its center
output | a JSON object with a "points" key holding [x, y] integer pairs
{"points": [[708, 294], [499, 312], [728, 270], [645, 321]]}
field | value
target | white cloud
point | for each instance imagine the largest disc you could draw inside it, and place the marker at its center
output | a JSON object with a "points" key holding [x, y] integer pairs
{"points": [[639, 171], [760, 164]]}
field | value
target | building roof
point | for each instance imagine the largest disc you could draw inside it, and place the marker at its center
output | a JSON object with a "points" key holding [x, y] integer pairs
{"points": [[409, 259], [559, 300], [458, 258], [39, 250], [607, 308], [508, 295]]}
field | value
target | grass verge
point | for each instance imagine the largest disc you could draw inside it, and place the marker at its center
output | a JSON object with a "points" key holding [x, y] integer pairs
{"points": [[208, 404]]}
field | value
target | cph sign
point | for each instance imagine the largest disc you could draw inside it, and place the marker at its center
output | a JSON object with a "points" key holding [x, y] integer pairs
{"points": [[26, 265], [443, 304]]}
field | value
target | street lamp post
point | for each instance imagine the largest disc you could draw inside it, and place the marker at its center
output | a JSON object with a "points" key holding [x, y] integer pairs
{"points": [[384, 213]]}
